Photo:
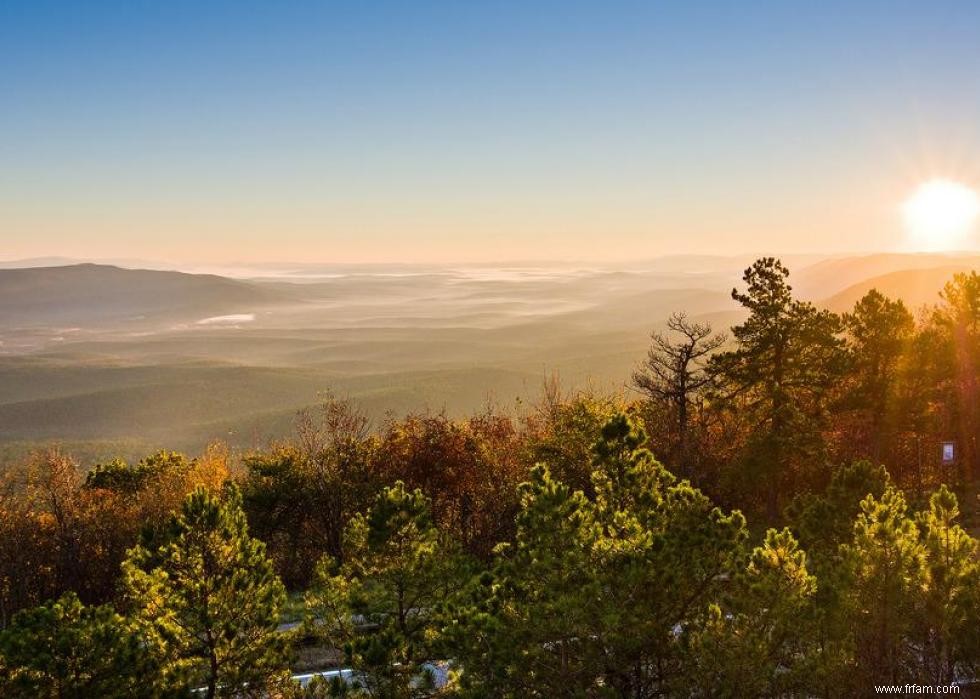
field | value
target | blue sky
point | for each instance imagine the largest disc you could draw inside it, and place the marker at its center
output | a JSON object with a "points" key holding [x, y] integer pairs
{"points": [[240, 131]]}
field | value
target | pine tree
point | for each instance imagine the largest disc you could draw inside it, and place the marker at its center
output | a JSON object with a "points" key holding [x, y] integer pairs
{"points": [[950, 605], [879, 331], [958, 319], [210, 593], [824, 521], [66, 650], [760, 640], [522, 629], [787, 358], [885, 577], [381, 606], [593, 597]]}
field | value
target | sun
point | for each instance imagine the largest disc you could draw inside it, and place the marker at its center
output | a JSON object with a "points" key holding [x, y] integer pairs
{"points": [[940, 215]]}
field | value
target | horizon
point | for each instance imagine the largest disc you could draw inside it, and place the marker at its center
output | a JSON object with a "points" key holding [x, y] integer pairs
{"points": [[240, 268]]}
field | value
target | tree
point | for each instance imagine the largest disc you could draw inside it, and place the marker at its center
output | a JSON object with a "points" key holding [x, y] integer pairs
{"points": [[950, 640], [885, 576], [119, 476], [675, 376], [879, 331], [958, 317], [562, 430], [56, 535], [381, 605], [521, 630], [824, 521], [65, 650], [593, 597], [469, 470], [787, 358], [923, 404], [211, 595], [760, 640], [300, 496]]}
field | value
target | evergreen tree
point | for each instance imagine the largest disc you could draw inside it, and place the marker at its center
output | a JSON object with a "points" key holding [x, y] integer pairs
{"points": [[592, 598], [65, 650], [210, 593], [520, 630], [958, 319], [824, 521], [381, 605], [760, 641], [824, 524], [879, 330], [562, 432], [950, 610], [886, 575], [787, 358]]}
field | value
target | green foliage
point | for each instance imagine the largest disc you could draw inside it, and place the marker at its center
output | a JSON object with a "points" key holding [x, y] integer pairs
{"points": [[381, 605], [957, 319], [300, 496], [605, 575], [759, 641], [950, 605], [885, 563], [897, 599], [119, 476], [563, 432], [66, 650], [298, 503], [823, 522], [960, 307], [787, 358], [878, 330], [592, 597], [211, 596]]}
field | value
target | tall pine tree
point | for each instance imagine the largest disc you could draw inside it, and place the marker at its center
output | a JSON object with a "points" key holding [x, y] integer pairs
{"points": [[787, 358], [210, 592]]}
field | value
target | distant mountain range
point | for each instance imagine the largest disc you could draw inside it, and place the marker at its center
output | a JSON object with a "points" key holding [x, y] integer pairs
{"points": [[55, 261], [93, 295], [916, 287], [832, 276]]}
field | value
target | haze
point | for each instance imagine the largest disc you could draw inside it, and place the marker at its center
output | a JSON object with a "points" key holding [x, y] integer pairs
{"points": [[435, 132]]}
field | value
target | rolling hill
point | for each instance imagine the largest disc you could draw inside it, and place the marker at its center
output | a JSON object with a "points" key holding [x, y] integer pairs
{"points": [[96, 295], [832, 276], [916, 287]]}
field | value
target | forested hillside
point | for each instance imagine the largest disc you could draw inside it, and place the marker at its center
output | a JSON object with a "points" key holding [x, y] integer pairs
{"points": [[785, 507]]}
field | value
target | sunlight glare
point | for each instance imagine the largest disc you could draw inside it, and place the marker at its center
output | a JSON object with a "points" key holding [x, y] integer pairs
{"points": [[940, 215]]}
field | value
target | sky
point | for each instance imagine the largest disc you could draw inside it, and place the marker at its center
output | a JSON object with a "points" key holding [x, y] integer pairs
{"points": [[461, 131]]}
